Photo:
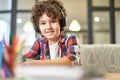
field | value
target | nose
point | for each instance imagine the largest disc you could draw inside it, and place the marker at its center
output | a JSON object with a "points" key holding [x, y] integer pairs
{"points": [[49, 25]]}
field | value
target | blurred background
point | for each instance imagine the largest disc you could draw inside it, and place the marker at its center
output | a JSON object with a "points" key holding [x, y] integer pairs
{"points": [[93, 21]]}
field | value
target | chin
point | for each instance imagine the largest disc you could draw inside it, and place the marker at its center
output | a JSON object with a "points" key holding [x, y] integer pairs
{"points": [[50, 37]]}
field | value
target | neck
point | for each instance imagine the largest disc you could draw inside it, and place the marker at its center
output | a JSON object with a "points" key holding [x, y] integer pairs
{"points": [[53, 41]]}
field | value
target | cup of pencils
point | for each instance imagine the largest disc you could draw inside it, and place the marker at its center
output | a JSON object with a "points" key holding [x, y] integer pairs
{"points": [[8, 55]]}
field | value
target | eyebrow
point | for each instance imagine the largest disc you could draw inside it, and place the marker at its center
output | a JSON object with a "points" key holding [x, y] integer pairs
{"points": [[45, 20]]}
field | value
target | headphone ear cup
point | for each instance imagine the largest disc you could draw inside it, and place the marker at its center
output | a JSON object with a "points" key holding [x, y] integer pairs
{"points": [[63, 22], [36, 29]]}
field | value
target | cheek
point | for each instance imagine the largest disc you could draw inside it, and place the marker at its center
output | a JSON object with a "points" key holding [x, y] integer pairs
{"points": [[41, 28], [58, 28]]}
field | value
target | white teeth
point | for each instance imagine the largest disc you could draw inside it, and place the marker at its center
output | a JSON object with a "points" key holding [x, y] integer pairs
{"points": [[50, 32]]}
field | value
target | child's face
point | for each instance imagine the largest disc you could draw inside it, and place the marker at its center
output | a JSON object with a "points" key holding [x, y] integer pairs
{"points": [[50, 28]]}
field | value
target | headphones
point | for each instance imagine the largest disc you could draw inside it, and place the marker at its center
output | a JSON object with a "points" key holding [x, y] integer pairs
{"points": [[61, 21]]}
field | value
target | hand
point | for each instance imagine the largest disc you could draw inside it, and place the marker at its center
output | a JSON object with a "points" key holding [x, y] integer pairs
{"points": [[29, 62]]}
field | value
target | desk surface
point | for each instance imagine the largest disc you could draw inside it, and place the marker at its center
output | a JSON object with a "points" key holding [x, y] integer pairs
{"points": [[112, 76], [49, 72], [56, 73]]}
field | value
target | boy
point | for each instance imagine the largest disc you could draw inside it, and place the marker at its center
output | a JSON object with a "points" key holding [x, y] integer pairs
{"points": [[54, 47]]}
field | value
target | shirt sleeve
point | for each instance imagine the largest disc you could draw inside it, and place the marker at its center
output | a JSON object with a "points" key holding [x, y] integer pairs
{"points": [[73, 49], [33, 52]]}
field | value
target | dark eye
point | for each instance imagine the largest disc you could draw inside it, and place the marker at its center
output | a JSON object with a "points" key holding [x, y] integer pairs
{"points": [[53, 21], [42, 23]]}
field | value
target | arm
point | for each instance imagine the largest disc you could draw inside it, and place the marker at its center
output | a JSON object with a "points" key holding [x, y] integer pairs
{"points": [[73, 49], [60, 61], [33, 52]]}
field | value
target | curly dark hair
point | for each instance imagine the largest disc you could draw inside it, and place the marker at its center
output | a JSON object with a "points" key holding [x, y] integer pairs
{"points": [[53, 8]]}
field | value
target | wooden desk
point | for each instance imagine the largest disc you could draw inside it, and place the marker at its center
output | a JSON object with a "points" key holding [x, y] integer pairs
{"points": [[112, 76]]}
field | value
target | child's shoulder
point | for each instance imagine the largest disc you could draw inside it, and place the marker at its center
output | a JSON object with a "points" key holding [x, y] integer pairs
{"points": [[40, 38], [70, 35]]}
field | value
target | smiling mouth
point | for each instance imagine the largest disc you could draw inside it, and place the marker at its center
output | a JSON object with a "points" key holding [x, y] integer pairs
{"points": [[50, 32]]}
